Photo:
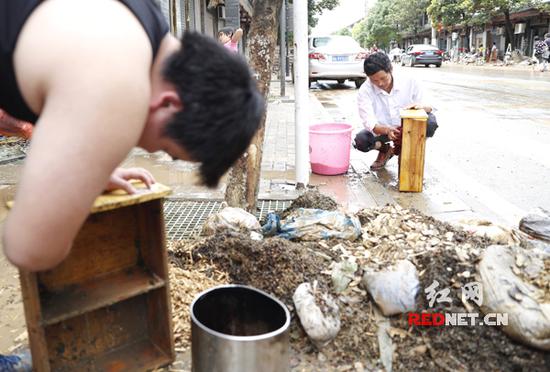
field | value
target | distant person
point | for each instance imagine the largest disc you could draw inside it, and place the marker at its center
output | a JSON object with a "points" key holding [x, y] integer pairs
{"points": [[230, 38], [380, 100], [541, 52], [494, 53]]}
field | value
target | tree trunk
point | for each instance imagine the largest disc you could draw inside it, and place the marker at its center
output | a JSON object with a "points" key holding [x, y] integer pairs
{"points": [[509, 29], [244, 180]]}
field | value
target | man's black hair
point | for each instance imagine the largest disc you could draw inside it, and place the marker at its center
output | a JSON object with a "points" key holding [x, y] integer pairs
{"points": [[375, 62], [222, 106]]}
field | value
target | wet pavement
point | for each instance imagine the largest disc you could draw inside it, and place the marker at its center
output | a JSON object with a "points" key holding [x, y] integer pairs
{"points": [[490, 151]]}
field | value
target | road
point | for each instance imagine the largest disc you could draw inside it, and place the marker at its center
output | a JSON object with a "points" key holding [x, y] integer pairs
{"points": [[492, 146]]}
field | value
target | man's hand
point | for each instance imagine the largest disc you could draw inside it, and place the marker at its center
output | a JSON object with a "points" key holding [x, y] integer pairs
{"points": [[120, 179], [394, 134], [416, 106]]}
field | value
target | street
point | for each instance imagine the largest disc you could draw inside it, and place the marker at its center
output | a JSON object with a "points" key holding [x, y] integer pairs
{"points": [[491, 148]]}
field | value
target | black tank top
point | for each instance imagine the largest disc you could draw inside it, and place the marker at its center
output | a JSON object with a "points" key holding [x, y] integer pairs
{"points": [[13, 15]]}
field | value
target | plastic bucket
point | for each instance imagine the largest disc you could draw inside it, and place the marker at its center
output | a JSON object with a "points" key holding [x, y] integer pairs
{"points": [[329, 148], [239, 328]]}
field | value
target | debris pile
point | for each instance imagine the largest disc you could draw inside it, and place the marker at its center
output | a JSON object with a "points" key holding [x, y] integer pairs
{"points": [[348, 286]]}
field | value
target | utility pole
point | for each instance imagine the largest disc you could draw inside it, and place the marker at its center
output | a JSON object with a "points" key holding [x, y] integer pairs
{"points": [[301, 92], [282, 59]]}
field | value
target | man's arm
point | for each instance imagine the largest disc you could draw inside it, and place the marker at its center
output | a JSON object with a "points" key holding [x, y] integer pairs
{"points": [[237, 35], [90, 83]]}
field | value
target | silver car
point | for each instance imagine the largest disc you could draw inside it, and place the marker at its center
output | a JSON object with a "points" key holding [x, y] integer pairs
{"points": [[422, 54], [336, 57]]}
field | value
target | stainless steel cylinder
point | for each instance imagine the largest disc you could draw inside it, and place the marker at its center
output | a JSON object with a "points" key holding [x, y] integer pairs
{"points": [[236, 328]]}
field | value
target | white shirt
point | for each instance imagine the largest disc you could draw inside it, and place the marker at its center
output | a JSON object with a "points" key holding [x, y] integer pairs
{"points": [[376, 106]]}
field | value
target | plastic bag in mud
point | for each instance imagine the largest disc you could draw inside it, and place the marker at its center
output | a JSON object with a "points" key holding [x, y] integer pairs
{"points": [[232, 220], [507, 276], [313, 224], [537, 224], [394, 289]]}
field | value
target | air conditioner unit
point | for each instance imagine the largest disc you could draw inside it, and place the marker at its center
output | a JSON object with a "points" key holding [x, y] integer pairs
{"points": [[500, 31], [221, 11], [520, 28]]}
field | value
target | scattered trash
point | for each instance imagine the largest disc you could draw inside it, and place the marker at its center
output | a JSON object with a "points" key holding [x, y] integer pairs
{"points": [[313, 224], [394, 289], [342, 274], [231, 220], [537, 224], [318, 313], [497, 233], [507, 291], [20, 362]]}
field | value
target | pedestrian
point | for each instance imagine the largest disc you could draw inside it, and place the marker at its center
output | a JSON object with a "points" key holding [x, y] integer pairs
{"points": [[230, 38], [380, 100], [541, 52], [494, 53], [97, 78]]}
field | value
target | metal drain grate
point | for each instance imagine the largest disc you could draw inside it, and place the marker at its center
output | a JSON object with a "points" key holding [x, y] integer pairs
{"points": [[184, 218]]}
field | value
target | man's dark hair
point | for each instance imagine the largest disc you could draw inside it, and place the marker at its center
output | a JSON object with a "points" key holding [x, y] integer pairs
{"points": [[227, 30], [375, 62], [222, 106]]}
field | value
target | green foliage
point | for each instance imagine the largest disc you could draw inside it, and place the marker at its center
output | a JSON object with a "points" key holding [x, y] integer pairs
{"points": [[344, 32], [379, 27]]}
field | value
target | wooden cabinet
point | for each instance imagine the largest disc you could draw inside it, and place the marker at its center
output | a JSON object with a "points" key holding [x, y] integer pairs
{"points": [[106, 307]]}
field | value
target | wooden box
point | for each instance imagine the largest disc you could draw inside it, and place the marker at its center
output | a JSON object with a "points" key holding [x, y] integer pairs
{"points": [[413, 145], [106, 307]]}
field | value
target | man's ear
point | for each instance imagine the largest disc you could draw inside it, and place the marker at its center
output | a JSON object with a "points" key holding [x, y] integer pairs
{"points": [[166, 99]]}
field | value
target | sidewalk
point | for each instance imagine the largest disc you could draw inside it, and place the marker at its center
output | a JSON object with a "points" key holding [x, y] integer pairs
{"points": [[360, 187]]}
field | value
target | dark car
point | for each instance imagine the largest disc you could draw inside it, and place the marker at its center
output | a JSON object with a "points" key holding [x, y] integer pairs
{"points": [[422, 54]]}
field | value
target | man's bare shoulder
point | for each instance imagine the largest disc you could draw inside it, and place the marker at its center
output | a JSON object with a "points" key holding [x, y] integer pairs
{"points": [[67, 42]]}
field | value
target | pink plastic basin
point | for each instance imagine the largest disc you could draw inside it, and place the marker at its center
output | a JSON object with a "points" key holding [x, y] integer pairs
{"points": [[329, 148]]}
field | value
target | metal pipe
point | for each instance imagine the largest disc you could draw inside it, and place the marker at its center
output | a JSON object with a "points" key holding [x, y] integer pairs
{"points": [[282, 38], [301, 92]]}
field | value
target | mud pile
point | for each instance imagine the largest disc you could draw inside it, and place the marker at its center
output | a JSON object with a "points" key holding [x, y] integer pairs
{"points": [[440, 253]]}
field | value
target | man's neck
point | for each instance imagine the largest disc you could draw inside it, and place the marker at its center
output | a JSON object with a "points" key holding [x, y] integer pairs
{"points": [[169, 45]]}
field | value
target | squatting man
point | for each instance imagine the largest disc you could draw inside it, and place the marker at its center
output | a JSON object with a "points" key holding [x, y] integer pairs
{"points": [[97, 78], [380, 99]]}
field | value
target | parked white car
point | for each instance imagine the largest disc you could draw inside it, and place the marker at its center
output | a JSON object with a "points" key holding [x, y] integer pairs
{"points": [[337, 58]]}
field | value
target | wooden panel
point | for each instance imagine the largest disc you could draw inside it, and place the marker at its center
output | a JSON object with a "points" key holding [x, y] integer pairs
{"points": [[97, 293], [140, 356], [83, 339], [151, 222], [106, 243], [411, 160], [159, 318], [33, 317]]}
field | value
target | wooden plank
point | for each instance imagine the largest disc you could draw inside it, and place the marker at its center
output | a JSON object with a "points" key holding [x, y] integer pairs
{"points": [[411, 160], [33, 317], [119, 198], [97, 293], [153, 248], [106, 243], [140, 356]]}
